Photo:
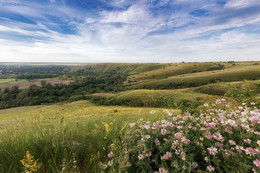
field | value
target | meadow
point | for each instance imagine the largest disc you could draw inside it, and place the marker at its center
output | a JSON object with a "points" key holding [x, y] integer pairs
{"points": [[70, 137], [134, 117]]}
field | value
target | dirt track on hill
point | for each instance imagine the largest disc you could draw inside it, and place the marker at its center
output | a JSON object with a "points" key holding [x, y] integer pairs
{"points": [[27, 84]]}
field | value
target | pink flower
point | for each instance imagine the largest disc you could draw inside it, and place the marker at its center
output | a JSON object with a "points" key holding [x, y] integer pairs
{"points": [[232, 142], [166, 156], [248, 141], [178, 135], [210, 168], [185, 140], [207, 135], [157, 142], [239, 148], [163, 131], [149, 154], [206, 159], [218, 102], [212, 125], [220, 145], [254, 119], [250, 151], [257, 162], [212, 150], [161, 170], [175, 144], [110, 155], [218, 136]]}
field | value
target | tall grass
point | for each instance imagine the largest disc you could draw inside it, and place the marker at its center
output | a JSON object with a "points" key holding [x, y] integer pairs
{"points": [[64, 138]]}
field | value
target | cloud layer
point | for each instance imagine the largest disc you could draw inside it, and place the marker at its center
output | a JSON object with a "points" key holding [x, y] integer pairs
{"points": [[129, 30]]}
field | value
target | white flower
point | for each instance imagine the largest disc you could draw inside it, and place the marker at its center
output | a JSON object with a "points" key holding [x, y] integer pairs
{"points": [[210, 168], [140, 156], [147, 136], [152, 112]]}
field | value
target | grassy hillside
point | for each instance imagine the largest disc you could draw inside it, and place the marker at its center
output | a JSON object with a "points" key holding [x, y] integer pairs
{"points": [[221, 88], [174, 75], [172, 70], [201, 78], [130, 68], [178, 98], [59, 134]]}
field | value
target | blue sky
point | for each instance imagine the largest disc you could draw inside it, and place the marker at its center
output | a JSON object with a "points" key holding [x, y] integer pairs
{"points": [[129, 30]]}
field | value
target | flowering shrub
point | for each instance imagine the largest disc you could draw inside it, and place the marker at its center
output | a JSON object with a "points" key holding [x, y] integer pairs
{"points": [[219, 139]]}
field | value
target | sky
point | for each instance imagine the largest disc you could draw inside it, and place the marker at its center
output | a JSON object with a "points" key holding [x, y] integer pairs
{"points": [[129, 30]]}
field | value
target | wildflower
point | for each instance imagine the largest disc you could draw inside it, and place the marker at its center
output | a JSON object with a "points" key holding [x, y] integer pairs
{"points": [[29, 163], [218, 102], [250, 151], [175, 144], [110, 163], [194, 164], [258, 142], [218, 136], [110, 155], [147, 136], [239, 148], [166, 156], [254, 119], [207, 135], [132, 124], [185, 140], [210, 168], [152, 112], [212, 125], [157, 142], [178, 135], [232, 142], [206, 105], [220, 145], [149, 154], [177, 152], [163, 131], [206, 159], [212, 150], [140, 156], [257, 162], [248, 141], [161, 170]]}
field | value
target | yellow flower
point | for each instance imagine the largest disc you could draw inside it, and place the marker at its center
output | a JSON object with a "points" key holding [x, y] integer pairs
{"points": [[29, 163], [107, 128]]}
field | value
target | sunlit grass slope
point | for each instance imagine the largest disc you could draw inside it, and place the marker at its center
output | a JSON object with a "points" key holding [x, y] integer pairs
{"points": [[202, 78], [130, 68], [178, 98], [58, 135]]}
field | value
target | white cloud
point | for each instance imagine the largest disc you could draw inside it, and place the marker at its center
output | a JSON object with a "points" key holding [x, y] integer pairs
{"points": [[124, 35], [241, 3]]}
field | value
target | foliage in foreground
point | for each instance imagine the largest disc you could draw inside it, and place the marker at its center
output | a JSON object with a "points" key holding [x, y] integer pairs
{"points": [[220, 139]]}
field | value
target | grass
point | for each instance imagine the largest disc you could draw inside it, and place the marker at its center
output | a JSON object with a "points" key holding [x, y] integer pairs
{"points": [[202, 78], [178, 98], [59, 134], [10, 80]]}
